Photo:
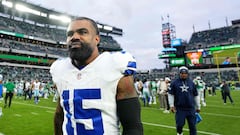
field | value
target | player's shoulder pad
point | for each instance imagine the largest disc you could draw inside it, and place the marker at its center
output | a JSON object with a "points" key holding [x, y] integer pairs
{"points": [[60, 65], [125, 62]]}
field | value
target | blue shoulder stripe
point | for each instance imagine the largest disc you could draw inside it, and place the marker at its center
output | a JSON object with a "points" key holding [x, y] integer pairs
{"points": [[131, 68]]}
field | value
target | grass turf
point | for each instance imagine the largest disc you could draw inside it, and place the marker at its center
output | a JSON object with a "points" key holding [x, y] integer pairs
{"points": [[26, 118]]}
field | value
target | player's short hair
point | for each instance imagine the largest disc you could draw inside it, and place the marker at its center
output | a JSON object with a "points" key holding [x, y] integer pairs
{"points": [[94, 24]]}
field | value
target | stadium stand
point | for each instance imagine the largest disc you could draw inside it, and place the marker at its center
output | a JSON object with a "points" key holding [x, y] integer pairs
{"points": [[202, 41], [30, 43], [214, 37]]}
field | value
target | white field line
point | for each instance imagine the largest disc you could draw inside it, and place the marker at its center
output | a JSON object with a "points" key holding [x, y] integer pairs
{"points": [[18, 115], [225, 106], [50, 112], [34, 113], [172, 127], [51, 108], [221, 115], [212, 114], [146, 123], [205, 113]]}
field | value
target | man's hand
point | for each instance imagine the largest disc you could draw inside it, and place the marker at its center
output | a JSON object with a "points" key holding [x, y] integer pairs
{"points": [[173, 109], [198, 110]]}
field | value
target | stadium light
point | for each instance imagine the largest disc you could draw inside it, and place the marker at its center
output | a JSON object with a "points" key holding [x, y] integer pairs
{"points": [[200, 50], [26, 9], [43, 14], [64, 19], [108, 28], [7, 3], [99, 26]]}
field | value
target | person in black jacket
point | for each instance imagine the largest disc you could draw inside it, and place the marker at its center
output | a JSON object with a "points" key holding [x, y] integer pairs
{"points": [[226, 92], [183, 101]]}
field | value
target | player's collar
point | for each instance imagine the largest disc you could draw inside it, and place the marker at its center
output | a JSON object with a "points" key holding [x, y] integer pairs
{"points": [[80, 67]]}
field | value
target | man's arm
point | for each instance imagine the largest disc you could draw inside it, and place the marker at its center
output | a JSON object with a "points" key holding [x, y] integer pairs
{"points": [[58, 119], [197, 101], [171, 102], [128, 107]]}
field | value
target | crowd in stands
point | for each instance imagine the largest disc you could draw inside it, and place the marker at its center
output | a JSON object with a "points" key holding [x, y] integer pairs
{"points": [[45, 32], [206, 38], [213, 76], [214, 37], [29, 29], [24, 73], [30, 47], [11, 44]]}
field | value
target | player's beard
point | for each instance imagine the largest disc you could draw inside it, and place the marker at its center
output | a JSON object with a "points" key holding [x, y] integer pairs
{"points": [[80, 54]]}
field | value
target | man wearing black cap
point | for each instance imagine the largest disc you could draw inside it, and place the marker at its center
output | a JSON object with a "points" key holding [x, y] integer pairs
{"points": [[183, 100]]}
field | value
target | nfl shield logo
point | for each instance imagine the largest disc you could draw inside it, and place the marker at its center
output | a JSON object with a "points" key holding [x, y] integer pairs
{"points": [[79, 76]]}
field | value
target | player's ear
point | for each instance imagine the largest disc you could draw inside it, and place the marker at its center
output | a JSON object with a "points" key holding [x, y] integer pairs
{"points": [[97, 39]]}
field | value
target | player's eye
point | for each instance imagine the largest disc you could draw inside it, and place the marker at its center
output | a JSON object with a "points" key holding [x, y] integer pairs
{"points": [[82, 31], [69, 33]]}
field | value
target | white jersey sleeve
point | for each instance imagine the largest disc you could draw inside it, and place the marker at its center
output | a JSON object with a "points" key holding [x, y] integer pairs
{"points": [[1, 77], [125, 62]]}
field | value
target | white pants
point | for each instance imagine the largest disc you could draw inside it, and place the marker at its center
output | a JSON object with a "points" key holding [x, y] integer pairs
{"points": [[201, 97]]}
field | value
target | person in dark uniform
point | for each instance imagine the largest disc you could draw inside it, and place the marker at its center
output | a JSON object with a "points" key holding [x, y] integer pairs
{"points": [[183, 101], [226, 92]]}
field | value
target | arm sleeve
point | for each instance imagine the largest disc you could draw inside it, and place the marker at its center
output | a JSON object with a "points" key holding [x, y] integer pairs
{"points": [[171, 100], [125, 62], [129, 114], [197, 101]]}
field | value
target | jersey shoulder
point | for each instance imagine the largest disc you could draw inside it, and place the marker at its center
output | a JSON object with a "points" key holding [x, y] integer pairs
{"points": [[59, 66], [124, 61]]}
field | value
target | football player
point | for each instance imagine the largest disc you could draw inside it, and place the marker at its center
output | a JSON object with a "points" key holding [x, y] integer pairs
{"points": [[96, 90]]}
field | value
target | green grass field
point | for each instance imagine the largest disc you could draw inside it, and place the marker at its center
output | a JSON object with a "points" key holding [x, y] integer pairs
{"points": [[26, 118]]}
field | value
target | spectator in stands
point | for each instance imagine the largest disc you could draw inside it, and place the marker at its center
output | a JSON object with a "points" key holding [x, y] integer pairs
{"points": [[183, 98], [96, 90], [227, 61], [10, 86]]}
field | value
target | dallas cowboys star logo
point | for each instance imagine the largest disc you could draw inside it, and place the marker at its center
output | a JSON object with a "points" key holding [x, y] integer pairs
{"points": [[184, 88]]}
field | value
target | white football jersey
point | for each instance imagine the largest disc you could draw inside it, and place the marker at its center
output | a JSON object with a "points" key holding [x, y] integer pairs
{"points": [[88, 96], [36, 85], [1, 77]]}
